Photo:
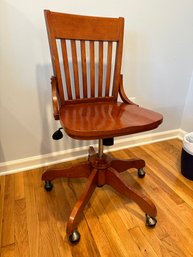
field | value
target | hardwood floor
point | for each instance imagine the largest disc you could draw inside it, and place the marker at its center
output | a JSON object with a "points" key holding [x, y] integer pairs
{"points": [[32, 221]]}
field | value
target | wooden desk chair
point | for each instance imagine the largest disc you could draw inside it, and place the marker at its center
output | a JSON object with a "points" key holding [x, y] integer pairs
{"points": [[86, 56]]}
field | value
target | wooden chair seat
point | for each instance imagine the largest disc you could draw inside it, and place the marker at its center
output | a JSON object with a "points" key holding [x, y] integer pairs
{"points": [[103, 120]]}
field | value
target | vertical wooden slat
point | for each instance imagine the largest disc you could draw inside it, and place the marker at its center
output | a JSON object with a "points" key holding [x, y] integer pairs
{"points": [[84, 73], [115, 77], [119, 49], [100, 75], [57, 71], [75, 68], [92, 69], [66, 68], [109, 64]]}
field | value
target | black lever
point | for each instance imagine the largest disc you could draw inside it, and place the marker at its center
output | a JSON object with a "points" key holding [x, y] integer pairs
{"points": [[57, 134], [108, 141]]}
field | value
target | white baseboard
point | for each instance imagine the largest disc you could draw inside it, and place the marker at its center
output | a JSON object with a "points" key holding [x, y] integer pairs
{"points": [[71, 154]]}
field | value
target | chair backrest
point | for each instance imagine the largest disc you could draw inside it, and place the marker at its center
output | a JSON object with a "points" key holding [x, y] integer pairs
{"points": [[86, 56]]}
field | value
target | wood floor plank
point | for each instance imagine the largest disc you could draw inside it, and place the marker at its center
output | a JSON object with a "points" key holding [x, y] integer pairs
{"points": [[142, 242], [176, 182], [170, 208], [118, 224], [33, 221], [7, 233], [19, 186], [98, 233], [2, 196], [8, 251], [167, 198], [21, 231], [175, 225], [173, 152], [31, 212], [46, 220], [155, 166], [116, 244], [173, 248]]}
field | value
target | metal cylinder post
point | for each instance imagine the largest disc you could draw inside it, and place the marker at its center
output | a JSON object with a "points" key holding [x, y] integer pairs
{"points": [[100, 149]]}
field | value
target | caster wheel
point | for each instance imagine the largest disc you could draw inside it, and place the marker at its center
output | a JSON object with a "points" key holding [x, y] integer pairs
{"points": [[141, 173], [150, 221], [74, 237], [48, 186]]}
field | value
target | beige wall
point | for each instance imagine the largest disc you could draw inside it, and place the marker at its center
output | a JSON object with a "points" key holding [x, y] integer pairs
{"points": [[157, 66]]}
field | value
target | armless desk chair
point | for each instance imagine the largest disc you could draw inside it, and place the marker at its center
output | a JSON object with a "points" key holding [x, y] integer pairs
{"points": [[86, 56]]}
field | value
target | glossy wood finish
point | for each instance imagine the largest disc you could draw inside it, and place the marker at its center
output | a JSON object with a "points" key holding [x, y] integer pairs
{"points": [[121, 165], [86, 56], [77, 211], [55, 102], [114, 179], [101, 171], [104, 119], [89, 109], [122, 94], [77, 171], [80, 32]]}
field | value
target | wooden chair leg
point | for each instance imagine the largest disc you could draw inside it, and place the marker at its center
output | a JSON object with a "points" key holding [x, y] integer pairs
{"points": [[79, 206], [122, 165], [114, 179], [75, 171]]}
